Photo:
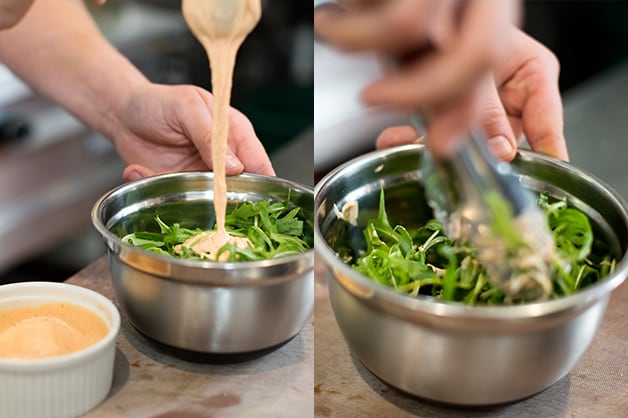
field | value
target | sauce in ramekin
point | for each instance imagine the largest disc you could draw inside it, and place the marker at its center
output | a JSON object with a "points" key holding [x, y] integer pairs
{"points": [[48, 330]]}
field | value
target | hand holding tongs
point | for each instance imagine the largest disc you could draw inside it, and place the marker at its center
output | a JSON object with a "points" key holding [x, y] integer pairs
{"points": [[481, 200]]}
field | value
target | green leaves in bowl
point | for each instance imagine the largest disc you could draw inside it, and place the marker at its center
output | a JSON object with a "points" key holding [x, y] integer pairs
{"points": [[275, 230], [424, 261]]}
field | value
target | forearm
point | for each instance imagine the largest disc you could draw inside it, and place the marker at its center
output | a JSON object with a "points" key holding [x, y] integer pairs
{"points": [[59, 51]]}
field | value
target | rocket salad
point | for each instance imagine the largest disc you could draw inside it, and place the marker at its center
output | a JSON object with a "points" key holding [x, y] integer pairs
{"points": [[274, 230], [424, 261]]}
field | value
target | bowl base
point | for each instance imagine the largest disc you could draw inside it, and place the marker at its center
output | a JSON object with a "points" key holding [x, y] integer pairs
{"points": [[210, 357], [477, 407]]}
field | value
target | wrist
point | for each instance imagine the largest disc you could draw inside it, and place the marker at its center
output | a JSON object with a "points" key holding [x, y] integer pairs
{"points": [[115, 101]]}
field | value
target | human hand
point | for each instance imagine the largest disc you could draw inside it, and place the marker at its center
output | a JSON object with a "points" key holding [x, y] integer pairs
{"points": [[168, 128], [12, 11], [523, 100], [443, 46], [442, 52]]}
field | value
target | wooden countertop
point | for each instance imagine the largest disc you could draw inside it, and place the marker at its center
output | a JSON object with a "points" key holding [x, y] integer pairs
{"points": [[596, 387], [151, 381]]}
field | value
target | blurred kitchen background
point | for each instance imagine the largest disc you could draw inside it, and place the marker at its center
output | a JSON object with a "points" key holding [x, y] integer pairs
{"points": [[52, 168], [590, 38]]}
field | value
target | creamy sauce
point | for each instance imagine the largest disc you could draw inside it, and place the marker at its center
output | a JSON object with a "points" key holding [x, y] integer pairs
{"points": [[48, 330], [349, 212], [206, 244], [221, 26]]}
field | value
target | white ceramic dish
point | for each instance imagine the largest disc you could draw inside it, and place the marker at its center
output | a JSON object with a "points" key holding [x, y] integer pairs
{"points": [[61, 386]]}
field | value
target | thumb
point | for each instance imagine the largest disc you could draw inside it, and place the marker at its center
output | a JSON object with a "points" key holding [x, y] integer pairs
{"points": [[233, 165], [397, 135], [135, 172]]}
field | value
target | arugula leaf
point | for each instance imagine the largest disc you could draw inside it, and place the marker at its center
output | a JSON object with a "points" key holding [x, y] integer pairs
{"points": [[275, 230], [501, 223], [423, 261]]}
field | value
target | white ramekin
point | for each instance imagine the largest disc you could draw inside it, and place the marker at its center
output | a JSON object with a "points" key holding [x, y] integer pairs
{"points": [[61, 386]]}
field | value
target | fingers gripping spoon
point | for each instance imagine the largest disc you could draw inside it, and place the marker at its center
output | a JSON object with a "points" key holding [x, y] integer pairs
{"points": [[221, 26], [481, 200]]}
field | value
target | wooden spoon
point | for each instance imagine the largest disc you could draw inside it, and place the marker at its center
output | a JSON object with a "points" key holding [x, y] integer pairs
{"points": [[221, 26]]}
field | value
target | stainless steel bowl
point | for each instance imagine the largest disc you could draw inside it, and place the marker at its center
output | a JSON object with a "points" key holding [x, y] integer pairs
{"points": [[203, 306], [450, 352]]}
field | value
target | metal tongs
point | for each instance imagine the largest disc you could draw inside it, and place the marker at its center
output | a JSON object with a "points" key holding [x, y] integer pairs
{"points": [[480, 199]]}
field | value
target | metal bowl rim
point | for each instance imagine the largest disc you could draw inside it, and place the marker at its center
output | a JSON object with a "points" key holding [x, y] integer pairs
{"points": [[186, 263], [376, 293]]}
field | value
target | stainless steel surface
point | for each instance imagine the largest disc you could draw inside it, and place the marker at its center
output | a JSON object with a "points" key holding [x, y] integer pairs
{"points": [[201, 305], [464, 178], [450, 352], [150, 381]]}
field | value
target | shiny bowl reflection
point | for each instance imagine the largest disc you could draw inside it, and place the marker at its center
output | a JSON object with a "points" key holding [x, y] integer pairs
{"points": [[204, 306], [449, 352]]}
